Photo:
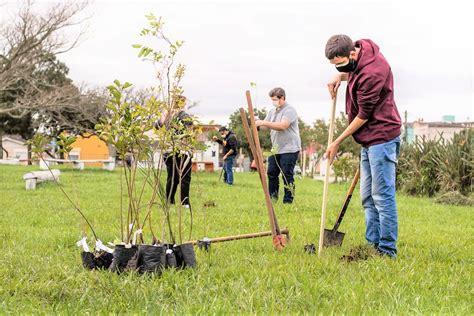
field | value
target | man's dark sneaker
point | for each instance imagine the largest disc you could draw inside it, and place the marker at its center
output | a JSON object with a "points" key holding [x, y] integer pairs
{"points": [[382, 253]]}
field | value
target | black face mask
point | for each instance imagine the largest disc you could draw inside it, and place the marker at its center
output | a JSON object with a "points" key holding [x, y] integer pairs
{"points": [[349, 67]]}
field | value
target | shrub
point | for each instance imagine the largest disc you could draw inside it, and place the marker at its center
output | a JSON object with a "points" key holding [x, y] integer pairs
{"points": [[417, 174], [427, 167], [455, 162], [345, 166]]}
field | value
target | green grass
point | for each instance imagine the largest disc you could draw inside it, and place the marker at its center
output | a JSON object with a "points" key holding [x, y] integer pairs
{"points": [[40, 268]]}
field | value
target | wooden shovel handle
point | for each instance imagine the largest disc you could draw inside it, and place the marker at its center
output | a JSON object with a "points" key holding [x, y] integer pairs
{"points": [[326, 178], [331, 123], [347, 200], [354, 182], [239, 237]]}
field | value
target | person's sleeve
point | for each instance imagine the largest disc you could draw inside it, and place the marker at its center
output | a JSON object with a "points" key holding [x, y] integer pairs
{"points": [[219, 141], [232, 142], [290, 115], [368, 94]]}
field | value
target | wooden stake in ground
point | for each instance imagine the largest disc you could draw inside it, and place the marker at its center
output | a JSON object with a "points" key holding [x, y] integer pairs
{"points": [[279, 240], [326, 178]]}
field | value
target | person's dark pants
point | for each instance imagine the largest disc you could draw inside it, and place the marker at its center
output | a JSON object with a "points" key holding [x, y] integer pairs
{"points": [[284, 163], [228, 173], [178, 165]]}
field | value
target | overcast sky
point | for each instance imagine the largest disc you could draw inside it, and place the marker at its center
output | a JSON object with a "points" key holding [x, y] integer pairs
{"points": [[229, 44]]}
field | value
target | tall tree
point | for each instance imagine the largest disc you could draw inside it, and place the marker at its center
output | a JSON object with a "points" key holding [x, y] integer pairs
{"points": [[306, 133], [320, 132], [34, 88]]}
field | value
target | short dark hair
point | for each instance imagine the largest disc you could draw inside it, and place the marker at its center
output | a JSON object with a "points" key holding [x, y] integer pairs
{"points": [[339, 45], [277, 92], [222, 129], [184, 118]]}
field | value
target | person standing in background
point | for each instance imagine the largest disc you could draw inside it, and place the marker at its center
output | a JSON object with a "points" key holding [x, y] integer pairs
{"points": [[229, 142], [282, 120]]}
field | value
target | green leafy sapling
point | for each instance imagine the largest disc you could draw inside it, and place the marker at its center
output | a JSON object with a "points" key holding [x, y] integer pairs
{"points": [[40, 143]]}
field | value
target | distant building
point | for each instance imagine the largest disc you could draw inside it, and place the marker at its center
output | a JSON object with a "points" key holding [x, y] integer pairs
{"points": [[89, 147], [208, 159], [432, 130], [313, 162], [14, 147], [84, 148], [202, 160]]}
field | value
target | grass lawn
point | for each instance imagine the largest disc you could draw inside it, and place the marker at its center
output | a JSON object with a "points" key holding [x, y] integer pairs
{"points": [[40, 267]]}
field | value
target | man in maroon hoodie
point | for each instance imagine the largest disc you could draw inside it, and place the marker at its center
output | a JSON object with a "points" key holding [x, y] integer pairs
{"points": [[375, 123]]}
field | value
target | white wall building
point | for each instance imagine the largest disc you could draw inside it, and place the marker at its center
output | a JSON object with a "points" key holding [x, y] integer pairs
{"points": [[211, 157], [433, 130], [211, 154], [14, 147]]}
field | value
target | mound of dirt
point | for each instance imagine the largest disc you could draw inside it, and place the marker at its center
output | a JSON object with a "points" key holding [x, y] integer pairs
{"points": [[358, 253]]}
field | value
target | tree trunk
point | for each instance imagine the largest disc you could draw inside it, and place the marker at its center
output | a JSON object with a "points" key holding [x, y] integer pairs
{"points": [[29, 155], [1, 144]]}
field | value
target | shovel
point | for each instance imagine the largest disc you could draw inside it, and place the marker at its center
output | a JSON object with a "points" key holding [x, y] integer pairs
{"points": [[331, 236], [326, 183], [220, 176]]}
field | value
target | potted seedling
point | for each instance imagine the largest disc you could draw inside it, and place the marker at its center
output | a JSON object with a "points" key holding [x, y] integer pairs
{"points": [[125, 127], [142, 133]]}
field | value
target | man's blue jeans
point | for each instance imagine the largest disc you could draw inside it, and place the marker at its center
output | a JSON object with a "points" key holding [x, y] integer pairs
{"points": [[284, 163], [377, 190], [228, 174]]}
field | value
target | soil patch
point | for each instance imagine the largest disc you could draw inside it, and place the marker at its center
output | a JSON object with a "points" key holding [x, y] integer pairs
{"points": [[358, 253], [210, 203]]}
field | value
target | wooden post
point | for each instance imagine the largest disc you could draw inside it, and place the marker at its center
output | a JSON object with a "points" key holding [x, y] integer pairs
{"points": [[405, 135], [1, 144], [259, 159], [254, 142], [256, 153]]}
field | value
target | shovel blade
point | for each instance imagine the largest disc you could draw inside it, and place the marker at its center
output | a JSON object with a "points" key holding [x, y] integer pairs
{"points": [[332, 238]]}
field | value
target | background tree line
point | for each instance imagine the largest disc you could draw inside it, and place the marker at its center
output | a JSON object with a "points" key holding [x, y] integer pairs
{"points": [[35, 90]]}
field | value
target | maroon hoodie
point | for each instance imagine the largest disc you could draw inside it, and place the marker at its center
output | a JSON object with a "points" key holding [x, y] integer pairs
{"points": [[370, 97]]}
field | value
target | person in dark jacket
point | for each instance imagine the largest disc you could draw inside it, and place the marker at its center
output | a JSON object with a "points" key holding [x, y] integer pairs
{"points": [[178, 159], [374, 122], [229, 141], [179, 164]]}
